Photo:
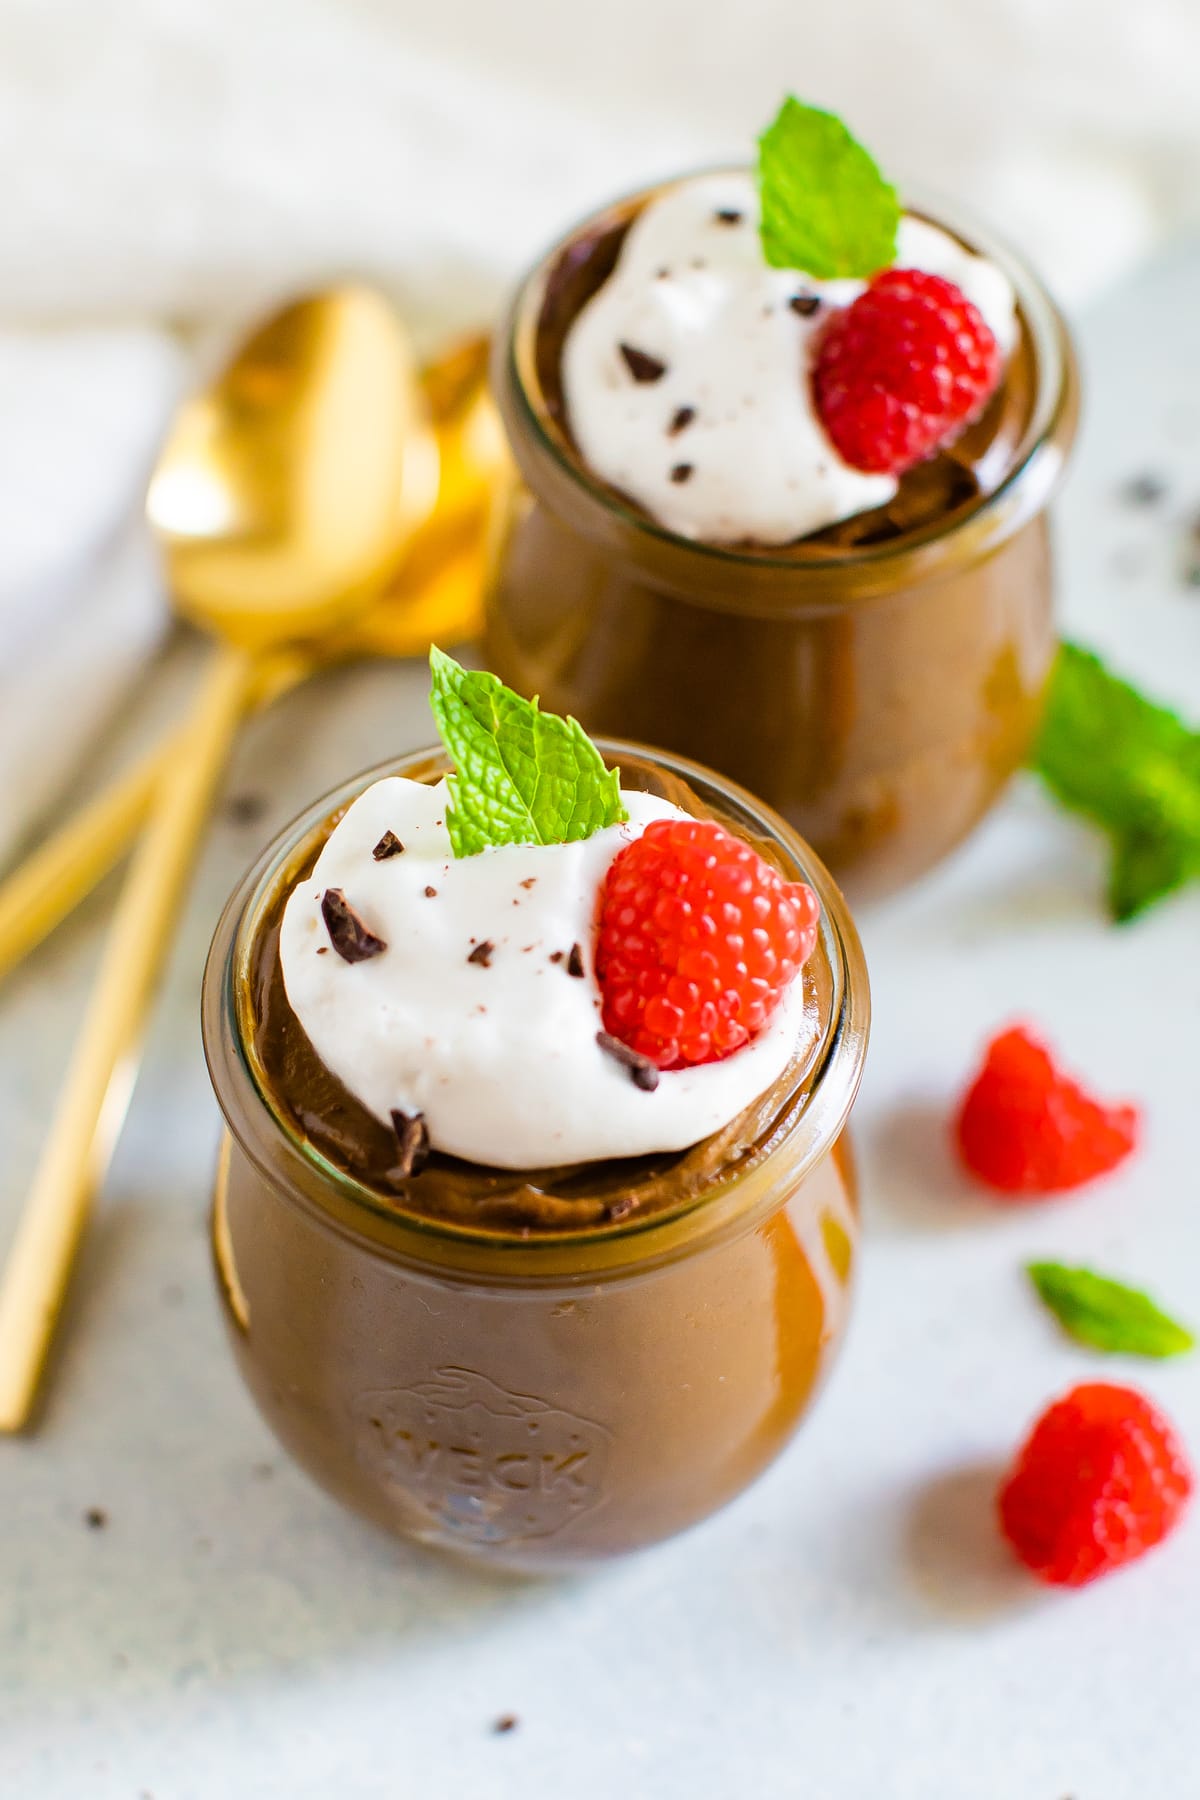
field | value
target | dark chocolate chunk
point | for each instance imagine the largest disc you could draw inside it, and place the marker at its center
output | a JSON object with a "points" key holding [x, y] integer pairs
{"points": [[805, 304], [388, 845], [642, 366], [95, 1518], [727, 215], [431, 893], [347, 933], [681, 418], [506, 1722], [575, 962], [482, 954], [682, 472], [642, 1071], [412, 1135]]}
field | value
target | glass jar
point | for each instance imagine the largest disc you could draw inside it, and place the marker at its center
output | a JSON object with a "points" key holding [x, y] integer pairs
{"points": [[536, 1401], [878, 696]]}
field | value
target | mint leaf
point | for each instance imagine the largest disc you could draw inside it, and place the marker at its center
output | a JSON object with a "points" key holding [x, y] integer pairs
{"points": [[825, 208], [1130, 766], [1106, 1314], [522, 776]]}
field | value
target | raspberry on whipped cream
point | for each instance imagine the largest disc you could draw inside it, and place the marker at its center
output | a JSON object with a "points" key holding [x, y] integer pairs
{"points": [[483, 1014], [686, 377]]}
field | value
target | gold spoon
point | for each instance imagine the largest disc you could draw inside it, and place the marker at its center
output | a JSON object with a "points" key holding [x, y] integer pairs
{"points": [[296, 467], [435, 595]]}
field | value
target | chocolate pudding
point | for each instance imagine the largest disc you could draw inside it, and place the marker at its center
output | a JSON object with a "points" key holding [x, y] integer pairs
{"points": [[876, 680], [509, 1363]]}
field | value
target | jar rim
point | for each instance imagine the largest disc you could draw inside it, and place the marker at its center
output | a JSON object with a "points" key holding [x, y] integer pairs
{"points": [[541, 448], [833, 1070]]}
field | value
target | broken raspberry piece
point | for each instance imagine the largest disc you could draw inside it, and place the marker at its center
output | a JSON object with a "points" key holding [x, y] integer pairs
{"points": [[1024, 1128]]}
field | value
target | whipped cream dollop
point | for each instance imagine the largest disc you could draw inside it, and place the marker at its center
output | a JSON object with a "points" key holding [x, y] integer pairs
{"points": [[499, 1053], [709, 424]]}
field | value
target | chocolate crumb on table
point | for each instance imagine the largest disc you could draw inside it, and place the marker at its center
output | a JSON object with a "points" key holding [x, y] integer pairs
{"points": [[1146, 489], [529, 881], [482, 954], [245, 809], [95, 1518], [506, 1722], [431, 893]]}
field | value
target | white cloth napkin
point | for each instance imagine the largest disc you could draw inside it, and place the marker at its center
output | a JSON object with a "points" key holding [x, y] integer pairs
{"points": [[81, 412], [192, 160]]}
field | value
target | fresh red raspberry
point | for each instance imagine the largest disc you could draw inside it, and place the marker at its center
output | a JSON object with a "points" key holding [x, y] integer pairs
{"points": [[699, 937], [903, 370], [1024, 1128], [1102, 1479]]}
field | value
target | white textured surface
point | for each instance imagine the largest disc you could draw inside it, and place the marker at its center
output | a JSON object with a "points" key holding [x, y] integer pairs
{"points": [[502, 1061], [850, 1629]]}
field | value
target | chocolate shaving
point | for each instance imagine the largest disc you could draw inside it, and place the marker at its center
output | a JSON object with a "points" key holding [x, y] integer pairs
{"points": [[431, 893], [805, 304], [388, 845], [682, 472], [642, 366], [482, 954], [575, 962], [412, 1135], [727, 215], [642, 1071], [680, 420], [347, 933]]}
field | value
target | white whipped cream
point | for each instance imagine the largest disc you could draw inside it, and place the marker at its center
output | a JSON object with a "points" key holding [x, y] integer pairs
{"points": [[695, 294], [502, 1060]]}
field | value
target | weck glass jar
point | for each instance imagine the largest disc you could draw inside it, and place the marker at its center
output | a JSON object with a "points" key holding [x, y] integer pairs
{"points": [[536, 1399]]}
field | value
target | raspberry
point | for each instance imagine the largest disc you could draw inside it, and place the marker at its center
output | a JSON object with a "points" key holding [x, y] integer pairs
{"points": [[1024, 1128], [902, 370], [699, 937], [1102, 1479]]}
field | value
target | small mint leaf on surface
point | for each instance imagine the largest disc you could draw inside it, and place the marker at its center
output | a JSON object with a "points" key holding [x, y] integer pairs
{"points": [[1131, 767], [826, 209], [1105, 1314], [521, 776]]}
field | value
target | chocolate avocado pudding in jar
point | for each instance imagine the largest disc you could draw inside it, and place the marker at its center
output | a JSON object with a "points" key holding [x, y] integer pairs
{"points": [[535, 1215], [795, 446]]}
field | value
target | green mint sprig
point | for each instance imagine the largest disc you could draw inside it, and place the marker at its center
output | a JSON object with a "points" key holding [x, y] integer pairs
{"points": [[825, 207], [1106, 1314], [1130, 766], [522, 776]]}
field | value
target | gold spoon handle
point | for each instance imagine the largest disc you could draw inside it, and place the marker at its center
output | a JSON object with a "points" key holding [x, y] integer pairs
{"points": [[100, 1075], [64, 869]]}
